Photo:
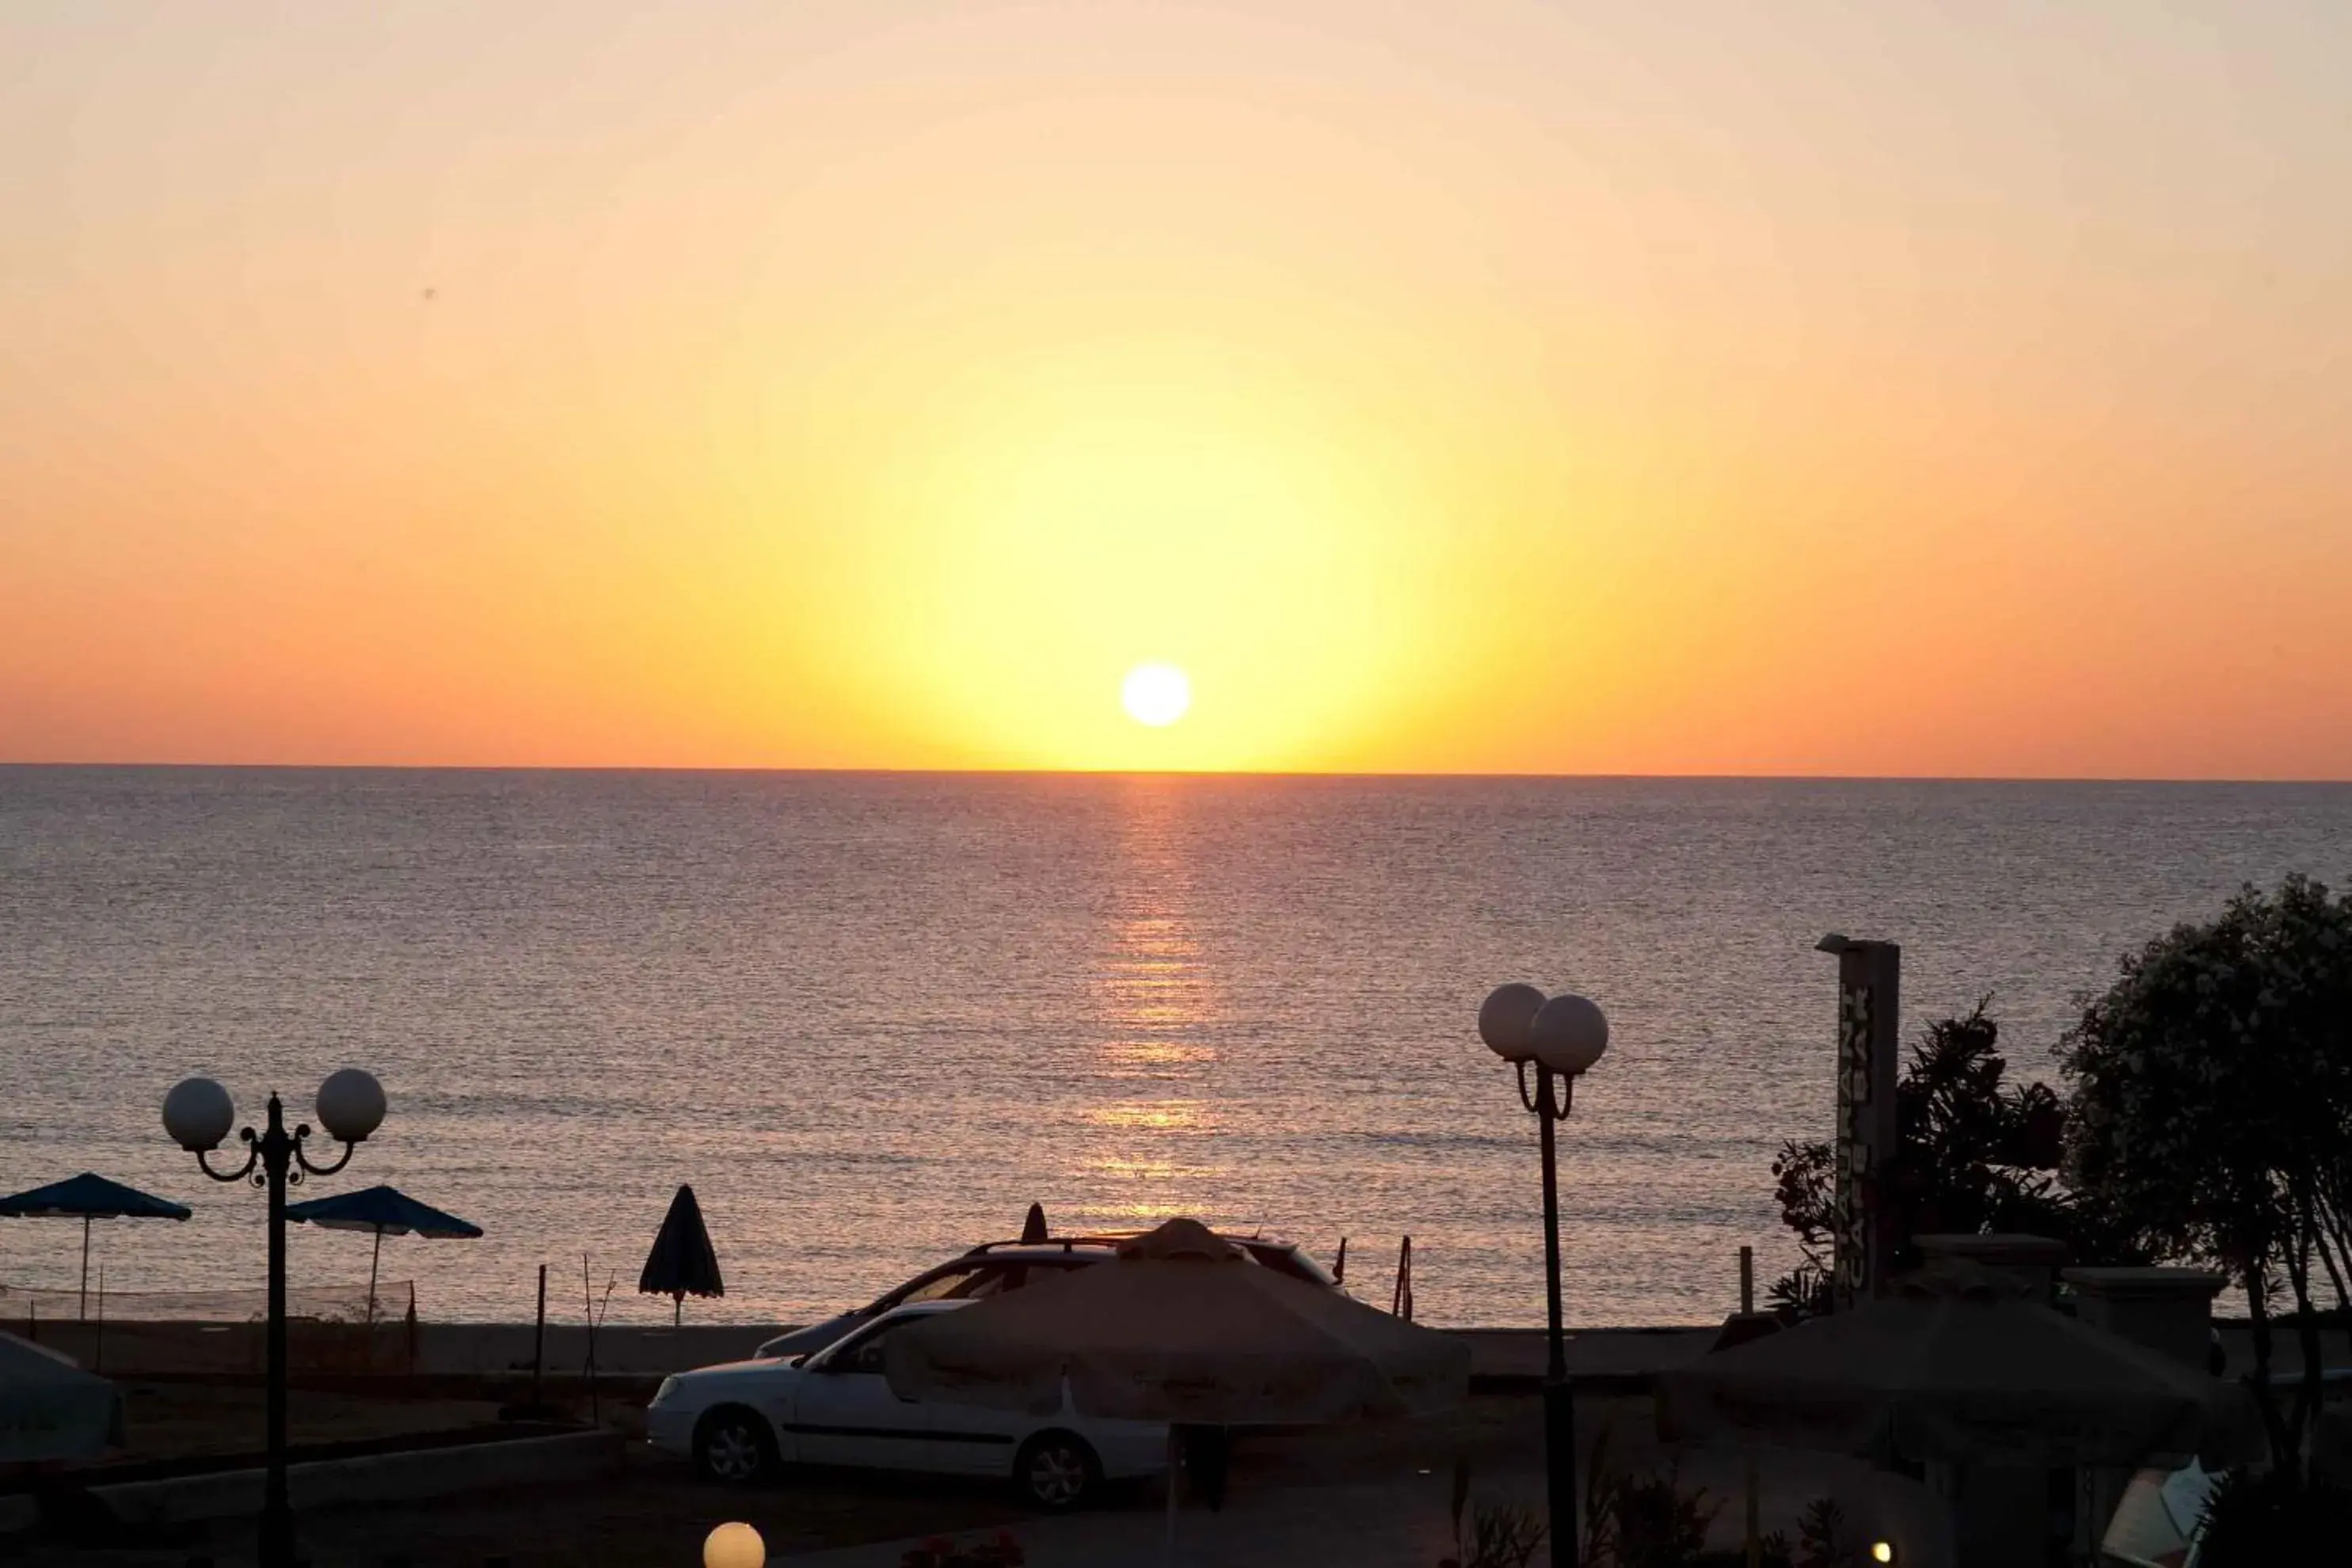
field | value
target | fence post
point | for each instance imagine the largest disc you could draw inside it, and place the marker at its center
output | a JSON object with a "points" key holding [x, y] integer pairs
{"points": [[539, 1343]]}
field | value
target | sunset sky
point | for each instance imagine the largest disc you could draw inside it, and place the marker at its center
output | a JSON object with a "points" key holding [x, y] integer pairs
{"points": [[1854, 389]]}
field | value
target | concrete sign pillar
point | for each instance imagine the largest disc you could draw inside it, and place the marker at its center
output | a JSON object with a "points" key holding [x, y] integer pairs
{"points": [[1869, 1041]]}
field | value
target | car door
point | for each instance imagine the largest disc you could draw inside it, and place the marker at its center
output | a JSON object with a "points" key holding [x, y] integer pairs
{"points": [[844, 1414], [971, 1439]]}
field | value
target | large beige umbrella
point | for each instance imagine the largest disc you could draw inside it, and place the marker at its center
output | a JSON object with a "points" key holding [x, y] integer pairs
{"points": [[1182, 1328], [1959, 1367], [51, 1408]]}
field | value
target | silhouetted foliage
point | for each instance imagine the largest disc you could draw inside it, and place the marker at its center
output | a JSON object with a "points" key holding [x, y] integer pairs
{"points": [[2276, 1516], [1491, 1535], [1823, 1539], [1648, 1521], [1498, 1535], [2212, 1086], [1976, 1156], [1656, 1524]]}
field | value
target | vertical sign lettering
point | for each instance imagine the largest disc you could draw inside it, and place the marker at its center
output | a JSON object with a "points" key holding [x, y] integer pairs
{"points": [[1869, 1003]]}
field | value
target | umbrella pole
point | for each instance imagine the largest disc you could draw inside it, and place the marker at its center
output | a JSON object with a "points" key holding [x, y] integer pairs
{"points": [[374, 1260], [1167, 1547], [84, 1313], [1755, 1540]]}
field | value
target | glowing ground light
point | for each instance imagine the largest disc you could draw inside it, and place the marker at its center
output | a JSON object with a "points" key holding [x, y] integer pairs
{"points": [[1882, 1551], [1156, 694], [734, 1546]]}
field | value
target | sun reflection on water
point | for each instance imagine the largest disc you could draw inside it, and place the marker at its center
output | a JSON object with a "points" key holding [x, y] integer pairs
{"points": [[1164, 1116], [1159, 1000]]}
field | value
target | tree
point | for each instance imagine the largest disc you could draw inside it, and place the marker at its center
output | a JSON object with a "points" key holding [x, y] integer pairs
{"points": [[2211, 1099], [1975, 1156]]}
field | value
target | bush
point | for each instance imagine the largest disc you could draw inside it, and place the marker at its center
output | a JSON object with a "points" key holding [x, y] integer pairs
{"points": [[1498, 1536], [1654, 1524], [2277, 1517], [1977, 1155], [1643, 1521]]}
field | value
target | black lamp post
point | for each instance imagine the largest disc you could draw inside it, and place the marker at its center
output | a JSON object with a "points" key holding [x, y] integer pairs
{"points": [[1560, 1038], [197, 1113]]}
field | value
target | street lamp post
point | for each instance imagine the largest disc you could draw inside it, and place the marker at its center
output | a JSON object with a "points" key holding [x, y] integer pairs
{"points": [[197, 1114], [1560, 1038]]}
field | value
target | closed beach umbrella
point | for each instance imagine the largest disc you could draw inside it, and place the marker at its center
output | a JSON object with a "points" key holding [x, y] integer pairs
{"points": [[1032, 1225], [387, 1211], [1964, 1370], [86, 1197], [51, 1408], [682, 1263]]}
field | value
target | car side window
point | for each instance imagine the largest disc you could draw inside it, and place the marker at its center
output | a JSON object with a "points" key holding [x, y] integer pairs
{"points": [[866, 1355]]}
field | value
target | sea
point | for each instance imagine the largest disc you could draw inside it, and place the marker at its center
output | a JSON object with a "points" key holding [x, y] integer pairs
{"points": [[871, 1018]]}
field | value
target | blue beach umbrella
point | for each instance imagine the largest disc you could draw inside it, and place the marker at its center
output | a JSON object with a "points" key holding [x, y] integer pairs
{"points": [[86, 1197], [387, 1211]]}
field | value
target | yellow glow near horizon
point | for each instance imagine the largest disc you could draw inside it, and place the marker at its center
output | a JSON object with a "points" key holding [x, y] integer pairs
{"points": [[1078, 504], [1156, 694]]}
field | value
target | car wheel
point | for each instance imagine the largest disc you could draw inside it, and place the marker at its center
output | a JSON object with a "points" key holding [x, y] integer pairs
{"points": [[734, 1447], [1057, 1471]]}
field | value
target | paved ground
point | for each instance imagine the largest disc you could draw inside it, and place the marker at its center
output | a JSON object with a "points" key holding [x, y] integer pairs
{"points": [[1382, 1526], [653, 1513], [1382, 1501], [1370, 1496], [474, 1350]]}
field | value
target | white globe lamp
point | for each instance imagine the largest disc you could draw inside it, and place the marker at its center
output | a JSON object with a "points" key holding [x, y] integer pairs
{"points": [[1568, 1034], [1563, 1035], [734, 1546], [1506, 1020], [197, 1114], [351, 1105]]}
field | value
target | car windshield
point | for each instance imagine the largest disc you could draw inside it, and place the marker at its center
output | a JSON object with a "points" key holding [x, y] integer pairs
{"points": [[946, 1285], [967, 1284]]}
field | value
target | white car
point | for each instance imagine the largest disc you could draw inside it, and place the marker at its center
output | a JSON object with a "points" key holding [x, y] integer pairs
{"points": [[993, 1267], [739, 1421]]}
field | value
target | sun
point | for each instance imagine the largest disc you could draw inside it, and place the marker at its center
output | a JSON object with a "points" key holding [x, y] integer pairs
{"points": [[1156, 694]]}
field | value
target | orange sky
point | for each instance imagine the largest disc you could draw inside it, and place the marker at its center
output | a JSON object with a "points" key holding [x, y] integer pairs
{"points": [[1487, 387]]}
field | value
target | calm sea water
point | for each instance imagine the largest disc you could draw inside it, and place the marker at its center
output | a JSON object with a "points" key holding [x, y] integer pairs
{"points": [[871, 1018]]}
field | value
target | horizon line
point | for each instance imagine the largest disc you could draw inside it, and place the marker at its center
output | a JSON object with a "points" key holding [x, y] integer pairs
{"points": [[1402, 774]]}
